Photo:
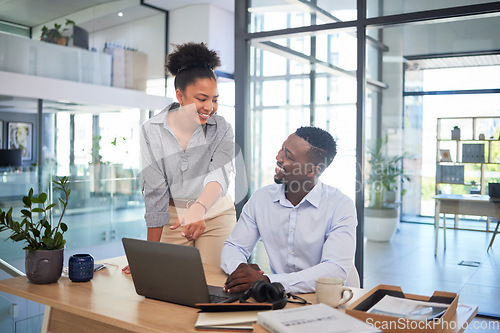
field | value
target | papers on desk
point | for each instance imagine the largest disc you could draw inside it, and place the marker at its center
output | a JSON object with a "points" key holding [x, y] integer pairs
{"points": [[408, 308], [319, 318], [233, 320]]}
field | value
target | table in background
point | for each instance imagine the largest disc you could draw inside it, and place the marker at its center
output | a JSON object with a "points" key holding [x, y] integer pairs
{"points": [[467, 204], [109, 303]]}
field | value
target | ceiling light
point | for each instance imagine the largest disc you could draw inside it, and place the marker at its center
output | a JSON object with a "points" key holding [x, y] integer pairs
{"points": [[120, 14]]}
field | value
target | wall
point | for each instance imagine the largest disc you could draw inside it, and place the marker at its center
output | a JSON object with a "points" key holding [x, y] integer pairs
{"points": [[146, 35], [204, 23]]}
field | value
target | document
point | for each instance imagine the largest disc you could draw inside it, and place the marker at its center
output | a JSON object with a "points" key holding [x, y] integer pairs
{"points": [[318, 318], [233, 320], [408, 308]]}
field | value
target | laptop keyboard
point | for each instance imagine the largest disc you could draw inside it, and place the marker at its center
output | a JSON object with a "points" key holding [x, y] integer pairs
{"points": [[218, 298]]}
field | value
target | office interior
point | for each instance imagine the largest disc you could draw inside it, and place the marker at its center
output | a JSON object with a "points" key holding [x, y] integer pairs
{"points": [[364, 70]]}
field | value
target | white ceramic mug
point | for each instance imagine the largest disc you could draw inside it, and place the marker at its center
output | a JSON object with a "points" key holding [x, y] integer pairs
{"points": [[331, 291]]}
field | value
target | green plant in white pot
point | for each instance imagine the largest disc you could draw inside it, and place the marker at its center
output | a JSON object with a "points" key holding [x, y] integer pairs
{"points": [[384, 177], [44, 242]]}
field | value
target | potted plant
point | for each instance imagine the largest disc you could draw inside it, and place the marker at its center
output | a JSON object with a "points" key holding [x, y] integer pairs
{"points": [[44, 243], [382, 214], [56, 34]]}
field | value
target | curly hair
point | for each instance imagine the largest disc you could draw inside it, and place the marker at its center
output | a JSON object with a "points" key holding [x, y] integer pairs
{"points": [[323, 145], [191, 61]]}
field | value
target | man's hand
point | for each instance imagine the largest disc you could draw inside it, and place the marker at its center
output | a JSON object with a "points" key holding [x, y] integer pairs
{"points": [[243, 277]]}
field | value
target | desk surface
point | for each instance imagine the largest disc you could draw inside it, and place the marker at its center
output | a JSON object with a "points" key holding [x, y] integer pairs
{"points": [[110, 298], [467, 197]]}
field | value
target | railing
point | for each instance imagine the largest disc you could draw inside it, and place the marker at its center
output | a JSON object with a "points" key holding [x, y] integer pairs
{"points": [[9, 269], [32, 57]]}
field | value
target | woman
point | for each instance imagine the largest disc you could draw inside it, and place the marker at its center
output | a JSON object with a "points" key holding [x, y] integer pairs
{"points": [[187, 154]]}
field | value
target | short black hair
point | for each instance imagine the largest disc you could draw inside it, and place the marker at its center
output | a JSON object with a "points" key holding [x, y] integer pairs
{"points": [[323, 145], [192, 61]]}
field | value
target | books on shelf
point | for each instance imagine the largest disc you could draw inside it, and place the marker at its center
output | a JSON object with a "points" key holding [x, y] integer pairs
{"points": [[450, 174], [319, 318], [473, 153]]}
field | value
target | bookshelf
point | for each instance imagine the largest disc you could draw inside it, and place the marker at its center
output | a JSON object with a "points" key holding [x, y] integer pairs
{"points": [[465, 160]]}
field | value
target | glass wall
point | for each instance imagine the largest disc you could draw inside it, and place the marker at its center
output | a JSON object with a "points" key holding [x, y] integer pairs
{"points": [[311, 69], [441, 73], [300, 81], [268, 15], [393, 7]]}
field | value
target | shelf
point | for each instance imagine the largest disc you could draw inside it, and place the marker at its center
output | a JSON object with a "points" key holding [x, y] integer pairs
{"points": [[465, 151], [460, 163], [471, 140], [69, 93]]}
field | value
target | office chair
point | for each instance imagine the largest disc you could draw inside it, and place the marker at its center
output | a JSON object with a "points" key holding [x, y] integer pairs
{"points": [[353, 278]]}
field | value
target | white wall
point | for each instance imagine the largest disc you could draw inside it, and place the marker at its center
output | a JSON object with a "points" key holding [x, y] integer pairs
{"points": [[146, 35], [208, 24]]}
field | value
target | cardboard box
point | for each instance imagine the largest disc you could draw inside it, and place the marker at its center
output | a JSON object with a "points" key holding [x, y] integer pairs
{"points": [[129, 69], [395, 324]]}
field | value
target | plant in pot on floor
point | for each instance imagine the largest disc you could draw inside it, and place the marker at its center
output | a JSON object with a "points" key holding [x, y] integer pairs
{"points": [[44, 242], [386, 172]]}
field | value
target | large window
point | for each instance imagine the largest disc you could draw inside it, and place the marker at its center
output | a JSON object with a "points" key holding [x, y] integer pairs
{"points": [[349, 72], [447, 86]]}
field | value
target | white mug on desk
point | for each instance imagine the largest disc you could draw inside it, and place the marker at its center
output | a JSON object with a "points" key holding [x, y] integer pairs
{"points": [[331, 291]]}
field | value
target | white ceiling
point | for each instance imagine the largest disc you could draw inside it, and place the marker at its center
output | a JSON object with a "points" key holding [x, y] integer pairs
{"points": [[36, 12], [33, 13]]}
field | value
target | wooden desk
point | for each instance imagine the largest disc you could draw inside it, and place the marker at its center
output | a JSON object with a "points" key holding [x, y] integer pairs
{"points": [[109, 303], [468, 204]]}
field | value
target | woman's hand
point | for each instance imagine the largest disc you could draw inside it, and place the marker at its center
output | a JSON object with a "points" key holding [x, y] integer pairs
{"points": [[193, 222]]}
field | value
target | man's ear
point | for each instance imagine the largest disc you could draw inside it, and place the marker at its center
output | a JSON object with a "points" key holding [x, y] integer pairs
{"points": [[313, 171], [179, 95]]}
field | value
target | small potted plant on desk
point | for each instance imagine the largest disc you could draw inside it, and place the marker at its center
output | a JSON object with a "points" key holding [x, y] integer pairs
{"points": [[55, 35], [382, 215], [44, 243]]}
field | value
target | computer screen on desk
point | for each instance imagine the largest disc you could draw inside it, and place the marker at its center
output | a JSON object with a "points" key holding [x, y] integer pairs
{"points": [[10, 158], [494, 190]]}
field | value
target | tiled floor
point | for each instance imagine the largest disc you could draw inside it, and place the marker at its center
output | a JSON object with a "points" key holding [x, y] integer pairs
{"points": [[408, 261]]}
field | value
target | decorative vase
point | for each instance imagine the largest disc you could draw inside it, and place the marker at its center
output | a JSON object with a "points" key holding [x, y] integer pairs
{"points": [[81, 267], [455, 133], [381, 223], [44, 266]]}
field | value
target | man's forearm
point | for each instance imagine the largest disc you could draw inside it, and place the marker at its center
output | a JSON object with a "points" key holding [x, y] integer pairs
{"points": [[231, 258]]}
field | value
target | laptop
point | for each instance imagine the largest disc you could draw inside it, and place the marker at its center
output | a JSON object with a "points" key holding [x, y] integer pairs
{"points": [[171, 273]]}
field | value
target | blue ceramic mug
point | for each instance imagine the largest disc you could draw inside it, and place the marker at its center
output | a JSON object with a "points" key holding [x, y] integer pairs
{"points": [[81, 267]]}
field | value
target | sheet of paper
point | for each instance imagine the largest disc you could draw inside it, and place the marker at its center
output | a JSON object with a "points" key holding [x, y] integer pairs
{"points": [[408, 308]]}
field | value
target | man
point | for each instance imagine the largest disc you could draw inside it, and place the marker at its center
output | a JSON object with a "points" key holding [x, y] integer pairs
{"points": [[307, 228]]}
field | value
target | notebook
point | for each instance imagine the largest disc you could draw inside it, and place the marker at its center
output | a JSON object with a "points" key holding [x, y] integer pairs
{"points": [[171, 273]]}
